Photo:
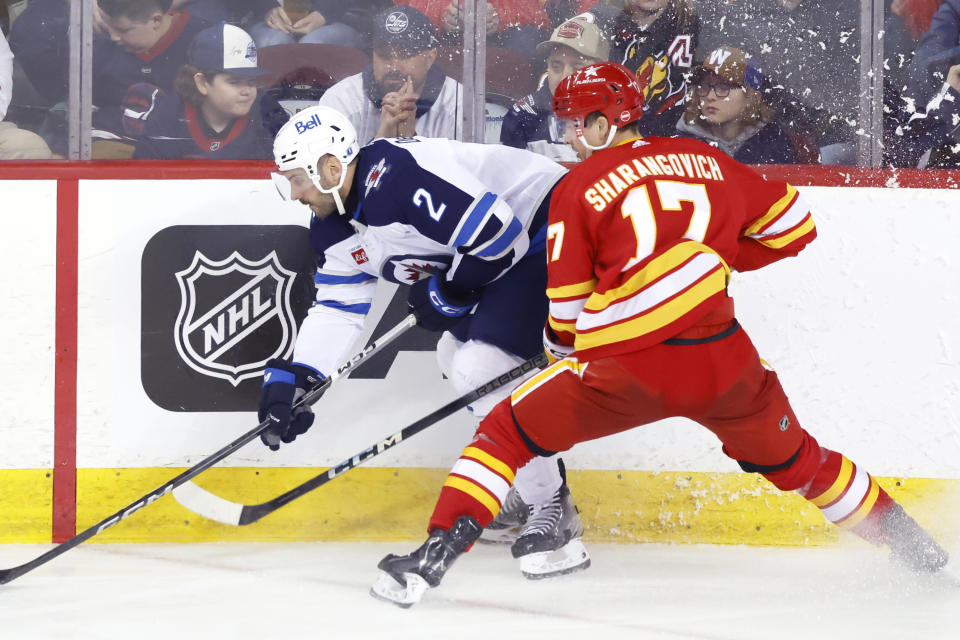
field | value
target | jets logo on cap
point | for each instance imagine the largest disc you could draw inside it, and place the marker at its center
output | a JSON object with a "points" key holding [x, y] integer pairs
{"points": [[397, 22]]}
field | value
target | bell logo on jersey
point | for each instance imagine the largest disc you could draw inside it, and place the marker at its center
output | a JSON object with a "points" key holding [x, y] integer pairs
{"points": [[359, 256], [208, 332]]}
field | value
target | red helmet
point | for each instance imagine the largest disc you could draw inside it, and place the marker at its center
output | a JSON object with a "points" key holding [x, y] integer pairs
{"points": [[607, 87]]}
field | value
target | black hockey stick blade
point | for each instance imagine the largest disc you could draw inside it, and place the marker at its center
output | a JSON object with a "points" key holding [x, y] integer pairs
{"points": [[213, 507], [6, 575]]}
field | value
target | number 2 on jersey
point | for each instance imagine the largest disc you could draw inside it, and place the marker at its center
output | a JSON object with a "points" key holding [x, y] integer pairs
{"points": [[638, 208], [422, 196]]}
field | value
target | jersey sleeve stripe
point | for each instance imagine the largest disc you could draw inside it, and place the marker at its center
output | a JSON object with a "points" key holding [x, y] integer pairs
{"points": [[329, 278], [503, 242], [774, 211], [790, 236], [791, 217], [572, 290], [473, 220], [659, 317], [646, 295], [359, 308]]}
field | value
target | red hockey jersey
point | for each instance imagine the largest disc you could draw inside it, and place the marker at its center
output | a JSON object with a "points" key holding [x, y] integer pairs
{"points": [[642, 238]]}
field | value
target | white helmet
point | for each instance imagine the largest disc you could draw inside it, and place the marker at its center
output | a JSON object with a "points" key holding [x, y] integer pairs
{"points": [[308, 136]]}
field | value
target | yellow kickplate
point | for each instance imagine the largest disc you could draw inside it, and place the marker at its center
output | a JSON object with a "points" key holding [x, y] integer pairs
{"points": [[382, 504], [26, 512]]}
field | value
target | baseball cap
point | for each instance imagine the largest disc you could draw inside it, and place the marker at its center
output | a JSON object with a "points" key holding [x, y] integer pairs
{"points": [[403, 29], [225, 48], [582, 34], [735, 66]]}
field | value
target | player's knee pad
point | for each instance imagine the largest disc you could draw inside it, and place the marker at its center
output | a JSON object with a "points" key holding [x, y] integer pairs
{"points": [[499, 435], [475, 363], [794, 472]]}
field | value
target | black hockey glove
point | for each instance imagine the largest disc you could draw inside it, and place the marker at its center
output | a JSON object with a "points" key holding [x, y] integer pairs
{"points": [[283, 384], [436, 305]]}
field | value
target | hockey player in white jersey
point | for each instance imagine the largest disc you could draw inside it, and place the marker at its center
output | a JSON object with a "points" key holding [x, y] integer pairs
{"points": [[465, 226]]}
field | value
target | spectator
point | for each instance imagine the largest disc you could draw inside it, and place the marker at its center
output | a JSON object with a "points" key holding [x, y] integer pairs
{"points": [[727, 110], [511, 24], [812, 47], [402, 92], [655, 39], [39, 40], [148, 43], [307, 21], [218, 113], [531, 123], [15, 143]]}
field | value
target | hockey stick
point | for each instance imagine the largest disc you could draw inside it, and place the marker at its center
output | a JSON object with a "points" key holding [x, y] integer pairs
{"points": [[6, 575], [213, 507]]}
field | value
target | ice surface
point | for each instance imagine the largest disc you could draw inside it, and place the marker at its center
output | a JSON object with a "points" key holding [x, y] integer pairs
{"points": [[319, 590]]}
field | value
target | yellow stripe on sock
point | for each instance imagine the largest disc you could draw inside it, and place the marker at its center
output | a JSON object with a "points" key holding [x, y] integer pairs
{"points": [[857, 516], [485, 458], [843, 479], [474, 492]]}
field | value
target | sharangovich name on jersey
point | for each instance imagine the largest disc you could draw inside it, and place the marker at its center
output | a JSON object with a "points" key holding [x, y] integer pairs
{"points": [[218, 302]]}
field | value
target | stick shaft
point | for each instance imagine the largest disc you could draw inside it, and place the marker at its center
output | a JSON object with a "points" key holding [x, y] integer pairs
{"points": [[6, 575], [252, 513]]}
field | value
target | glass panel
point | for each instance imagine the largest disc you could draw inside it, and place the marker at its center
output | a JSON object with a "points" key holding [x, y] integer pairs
{"points": [[210, 79], [805, 60], [798, 73], [34, 61], [921, 84]]}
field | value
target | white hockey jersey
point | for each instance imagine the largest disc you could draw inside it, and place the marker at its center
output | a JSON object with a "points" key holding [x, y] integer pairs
{"points": [[439, 111], [416, 207]]}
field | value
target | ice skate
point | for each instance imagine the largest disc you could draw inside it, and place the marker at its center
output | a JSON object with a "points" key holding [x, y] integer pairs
{"points": [[505, 528], [909, 544], [549, 543], [404, 579]]}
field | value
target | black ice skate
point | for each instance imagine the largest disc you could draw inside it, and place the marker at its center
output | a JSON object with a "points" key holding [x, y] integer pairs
{"points": [[404, 579], [909, 544], [549, 543], [505, 528]]}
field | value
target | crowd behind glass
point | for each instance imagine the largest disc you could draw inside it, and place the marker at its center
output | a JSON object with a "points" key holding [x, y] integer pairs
{"points": [[766, 81]]}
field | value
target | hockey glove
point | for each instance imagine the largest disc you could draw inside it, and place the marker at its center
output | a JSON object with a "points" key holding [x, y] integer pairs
{"points": [[552, 346], [283, 384], [436, 305]]}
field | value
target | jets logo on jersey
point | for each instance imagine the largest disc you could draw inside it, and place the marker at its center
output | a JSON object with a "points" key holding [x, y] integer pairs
{"points": [[215, 145], [407, 269], [224, 302], [376, 172]]}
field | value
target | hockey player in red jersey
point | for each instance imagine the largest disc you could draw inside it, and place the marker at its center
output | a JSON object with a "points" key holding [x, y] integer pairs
{"points": [[642, 238]]}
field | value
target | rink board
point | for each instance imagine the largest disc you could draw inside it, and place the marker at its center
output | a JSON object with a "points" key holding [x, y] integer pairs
{"points": [[861, 330]]}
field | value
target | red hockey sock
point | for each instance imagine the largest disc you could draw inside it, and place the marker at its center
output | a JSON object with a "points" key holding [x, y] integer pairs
{"points": [[479, 481], [849, 496]]}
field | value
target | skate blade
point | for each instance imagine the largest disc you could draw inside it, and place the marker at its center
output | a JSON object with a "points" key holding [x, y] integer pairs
{"points": [[546, 564], [386, 588], [499, 536]]}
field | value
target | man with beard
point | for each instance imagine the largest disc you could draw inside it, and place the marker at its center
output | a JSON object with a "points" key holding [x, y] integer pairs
{"points": [[403, 92]]}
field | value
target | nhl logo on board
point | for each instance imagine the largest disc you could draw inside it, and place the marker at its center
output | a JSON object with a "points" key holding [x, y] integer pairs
{"points": [[222, 303]]}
